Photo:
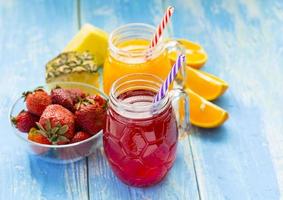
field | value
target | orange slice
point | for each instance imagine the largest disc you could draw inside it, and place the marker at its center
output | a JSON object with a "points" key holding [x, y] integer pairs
{"points": [[195, 54], [204, 113], [206, 85]]}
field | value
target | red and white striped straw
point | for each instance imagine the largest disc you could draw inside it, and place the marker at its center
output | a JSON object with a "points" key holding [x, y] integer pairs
{"points": [[161, 26], [170, 78]]}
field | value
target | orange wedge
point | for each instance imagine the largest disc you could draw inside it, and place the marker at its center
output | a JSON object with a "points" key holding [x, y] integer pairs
{"points": [[195, 54], [206, 85], [204, 113]]}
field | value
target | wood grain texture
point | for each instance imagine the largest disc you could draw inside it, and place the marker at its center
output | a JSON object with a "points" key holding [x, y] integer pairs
{"points": [[32, 32], [243, 159], [180, 182]]}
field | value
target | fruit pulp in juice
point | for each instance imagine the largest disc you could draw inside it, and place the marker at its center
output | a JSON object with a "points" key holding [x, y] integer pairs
{"points": [[140, 148], [117, 67]]}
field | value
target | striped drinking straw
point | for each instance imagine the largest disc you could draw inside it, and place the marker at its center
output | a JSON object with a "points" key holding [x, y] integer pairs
{"points": [[161, 26], [170, 78]]}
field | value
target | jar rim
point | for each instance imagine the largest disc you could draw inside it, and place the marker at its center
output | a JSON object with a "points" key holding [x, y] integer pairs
{"points": [[122, 106], [142, 29]]}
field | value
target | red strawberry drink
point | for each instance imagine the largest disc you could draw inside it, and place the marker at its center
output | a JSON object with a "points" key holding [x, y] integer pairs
{"points": [[140, 137]]}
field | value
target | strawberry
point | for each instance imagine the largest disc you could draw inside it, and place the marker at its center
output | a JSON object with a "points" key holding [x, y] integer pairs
{"points": [[35, 136], [24, 121], [62, 97], [90, 114], [37, 101], [55, 135], [80, 136], [76, 94], [98, 99], [66, 97], [57, 124]]}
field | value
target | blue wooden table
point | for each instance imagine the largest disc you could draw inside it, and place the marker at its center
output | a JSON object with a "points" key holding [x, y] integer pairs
{"points": [[241, 160]]}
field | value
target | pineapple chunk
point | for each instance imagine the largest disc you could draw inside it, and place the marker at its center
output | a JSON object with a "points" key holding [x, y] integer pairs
{"points": [[91, 39], [74, 67]]}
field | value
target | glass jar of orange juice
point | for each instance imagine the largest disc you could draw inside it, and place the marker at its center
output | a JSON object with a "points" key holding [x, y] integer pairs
{"points": [[128, 53]]}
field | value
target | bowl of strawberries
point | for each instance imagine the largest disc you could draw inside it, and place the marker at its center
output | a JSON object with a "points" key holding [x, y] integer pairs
{"points": [[61, 122]]}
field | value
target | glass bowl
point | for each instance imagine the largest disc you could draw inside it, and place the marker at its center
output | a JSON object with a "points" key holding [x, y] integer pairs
{"points": [[59, 153]]}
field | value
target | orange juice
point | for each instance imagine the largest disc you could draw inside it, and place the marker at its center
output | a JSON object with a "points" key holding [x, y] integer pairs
{"points": [[116, 67], [128, 52]]}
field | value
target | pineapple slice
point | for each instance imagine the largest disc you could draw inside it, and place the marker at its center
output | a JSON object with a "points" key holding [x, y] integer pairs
{"points": [[91, 39], [74, 67]]}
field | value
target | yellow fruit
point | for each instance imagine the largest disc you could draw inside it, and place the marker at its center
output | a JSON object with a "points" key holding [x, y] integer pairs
{"points": [[206, 85], [196, 57], [204, 113], [91, 39], [74, 67]]}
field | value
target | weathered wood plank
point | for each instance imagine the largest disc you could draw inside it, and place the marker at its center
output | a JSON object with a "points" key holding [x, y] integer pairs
{"points": [[180, 183], [244, 158], [32, 32]]}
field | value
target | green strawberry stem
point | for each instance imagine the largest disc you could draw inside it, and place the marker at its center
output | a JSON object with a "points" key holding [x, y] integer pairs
{"points": [[55, 134]]}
